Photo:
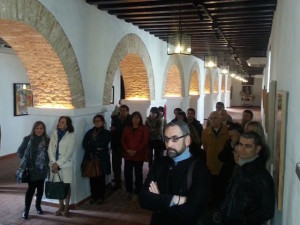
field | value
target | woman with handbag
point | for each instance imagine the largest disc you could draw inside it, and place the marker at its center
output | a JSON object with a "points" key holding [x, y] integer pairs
{"points": [[134, 141], [60, 151], [95, 144], [34, 157]]}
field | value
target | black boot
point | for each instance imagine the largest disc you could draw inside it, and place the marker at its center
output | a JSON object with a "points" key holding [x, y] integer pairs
{"points": [[39, 209], [25, 215], [38, 205], [28, 200]]}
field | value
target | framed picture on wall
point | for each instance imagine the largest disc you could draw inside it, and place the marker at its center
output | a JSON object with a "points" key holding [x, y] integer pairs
{"points": [[22, 98], [279, 144]]}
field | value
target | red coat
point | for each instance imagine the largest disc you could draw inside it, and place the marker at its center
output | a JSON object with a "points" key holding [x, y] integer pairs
{"points": [[137, 140]]}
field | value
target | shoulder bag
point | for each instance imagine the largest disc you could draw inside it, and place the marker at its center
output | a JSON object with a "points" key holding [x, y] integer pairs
{"points": [[56, 190], [91, 168]]}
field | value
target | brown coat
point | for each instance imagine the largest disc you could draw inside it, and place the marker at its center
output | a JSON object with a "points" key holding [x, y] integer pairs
{"points": [[213, 145]]}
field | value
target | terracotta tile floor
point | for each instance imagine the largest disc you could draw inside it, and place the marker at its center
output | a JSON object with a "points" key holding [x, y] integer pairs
{"points": [[116, 209]]}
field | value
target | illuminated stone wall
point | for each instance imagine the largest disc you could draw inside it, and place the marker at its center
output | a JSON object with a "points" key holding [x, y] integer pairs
{"points": [[194, 84], [207, 84], [216, 84], [135, 78], [223, 83], [42, 46], [173, 83], [131, 47]]}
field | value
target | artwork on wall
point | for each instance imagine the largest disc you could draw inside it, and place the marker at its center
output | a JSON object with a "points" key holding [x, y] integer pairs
{"points": [[279, 144], [22, 98]]}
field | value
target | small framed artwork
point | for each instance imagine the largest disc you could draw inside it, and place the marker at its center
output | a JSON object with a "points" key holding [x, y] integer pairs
{"points": [[112, 95], [22, 98]]}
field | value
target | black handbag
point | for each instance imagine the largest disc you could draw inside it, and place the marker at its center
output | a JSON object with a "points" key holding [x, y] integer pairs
{"points": [[56, 190], [23, 176]]}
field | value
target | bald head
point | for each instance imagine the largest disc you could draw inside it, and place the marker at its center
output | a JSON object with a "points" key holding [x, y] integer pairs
{"points": [[215, 119]]}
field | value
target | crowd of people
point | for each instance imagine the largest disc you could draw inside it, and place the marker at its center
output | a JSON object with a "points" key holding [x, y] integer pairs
{"points": [[191, 169]]}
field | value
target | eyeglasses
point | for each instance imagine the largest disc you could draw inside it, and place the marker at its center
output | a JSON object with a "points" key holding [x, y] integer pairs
{"points": [[173, 138]]}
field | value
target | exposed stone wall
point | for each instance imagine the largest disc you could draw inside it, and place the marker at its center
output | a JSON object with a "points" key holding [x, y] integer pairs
{"points": [[173, 83], [194, 84], [207, 86], [44, 49], [130, 44], [216, 84], [135, 78], [174, 60], [223, 83]]}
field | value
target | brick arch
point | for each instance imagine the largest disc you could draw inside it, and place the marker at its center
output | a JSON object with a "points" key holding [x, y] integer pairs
{"points": [[130, 44], [207, 84], [194, 80], [174, 64], [45, 51]]}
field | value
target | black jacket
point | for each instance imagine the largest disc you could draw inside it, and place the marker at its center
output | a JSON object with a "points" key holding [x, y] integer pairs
{"points": [[90, 145], [250, 198], [172, 180]]}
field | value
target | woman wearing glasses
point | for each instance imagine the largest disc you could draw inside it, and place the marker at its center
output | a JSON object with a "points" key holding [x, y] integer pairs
{"points": [[135, 139]]}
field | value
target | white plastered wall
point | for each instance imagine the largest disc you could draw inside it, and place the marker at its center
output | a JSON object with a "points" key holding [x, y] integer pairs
{"points": [[285, 66]]}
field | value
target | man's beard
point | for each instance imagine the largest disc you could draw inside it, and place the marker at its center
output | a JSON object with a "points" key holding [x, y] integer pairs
{"points": [[173, 153]]}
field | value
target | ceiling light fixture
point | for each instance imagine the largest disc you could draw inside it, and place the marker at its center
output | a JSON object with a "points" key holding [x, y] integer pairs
{"points": [[210, 61], [224, 70], [179, 43]]}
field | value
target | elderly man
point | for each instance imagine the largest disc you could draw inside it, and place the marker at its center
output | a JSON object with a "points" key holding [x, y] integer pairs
{"points": [[213, 140], [250, 197], [166, 191]]}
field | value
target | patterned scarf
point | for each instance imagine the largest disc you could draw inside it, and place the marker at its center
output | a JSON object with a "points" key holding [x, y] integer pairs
{"points": [[40, 158]]}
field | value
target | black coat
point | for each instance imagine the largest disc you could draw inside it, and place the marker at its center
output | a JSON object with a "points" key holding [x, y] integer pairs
{"points": [[172, 180], [250, 198], [119, 126], [91, 144]]}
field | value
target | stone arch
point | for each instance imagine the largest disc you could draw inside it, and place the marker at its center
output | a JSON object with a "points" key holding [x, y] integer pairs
{"points": [[174, 64], [129, 44], [207, 84], [45, 33], [194, 80]]}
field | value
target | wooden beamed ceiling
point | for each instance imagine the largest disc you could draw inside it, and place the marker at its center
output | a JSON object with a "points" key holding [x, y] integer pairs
{"points": [[233, 30]]}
